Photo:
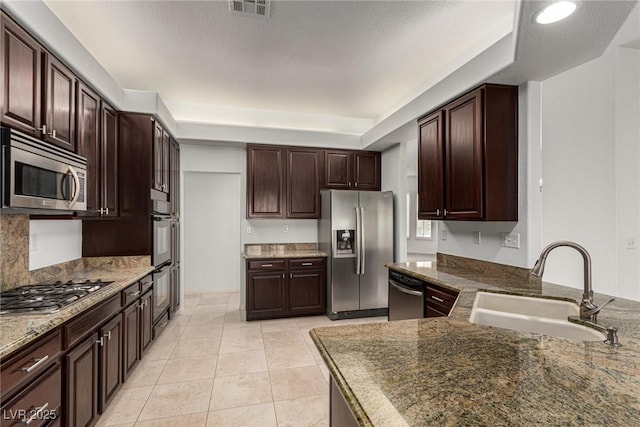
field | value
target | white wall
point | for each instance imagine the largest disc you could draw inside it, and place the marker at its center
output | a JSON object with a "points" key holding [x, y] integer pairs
{"points": [[54, 241], [394, 178], [460, 240], [590, 167]]}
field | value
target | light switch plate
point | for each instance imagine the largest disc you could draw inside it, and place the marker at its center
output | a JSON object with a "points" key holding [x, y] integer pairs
{"points": [[443, 235], [285, 228], [476, 237]]}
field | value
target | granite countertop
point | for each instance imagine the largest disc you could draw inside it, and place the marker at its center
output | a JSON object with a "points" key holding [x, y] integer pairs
{"points": [[19, 330], [282, 250], [447, 371]]}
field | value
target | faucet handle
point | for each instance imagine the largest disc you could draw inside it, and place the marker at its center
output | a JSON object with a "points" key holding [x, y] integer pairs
{"points": [[591, 311], [597, 309]]}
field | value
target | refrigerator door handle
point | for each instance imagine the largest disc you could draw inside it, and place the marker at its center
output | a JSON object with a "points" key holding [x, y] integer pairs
{"points": [[362, 247], [358, 231]]}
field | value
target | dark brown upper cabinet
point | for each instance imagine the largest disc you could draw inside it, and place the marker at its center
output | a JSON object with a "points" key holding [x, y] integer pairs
{"points": [[165, 168], [468, 157], [109, 161], [88, 144], [303, 183], [266, 181], [20, 74], [431, 166], [59, 101], [351, 170], [158, 163], [174, 178]]}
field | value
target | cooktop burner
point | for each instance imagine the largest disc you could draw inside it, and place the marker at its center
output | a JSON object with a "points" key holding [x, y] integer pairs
{"points": [[47, 298]]}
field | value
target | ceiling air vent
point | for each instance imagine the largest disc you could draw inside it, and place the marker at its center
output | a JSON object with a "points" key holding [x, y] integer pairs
{"points": [[258, 8]]}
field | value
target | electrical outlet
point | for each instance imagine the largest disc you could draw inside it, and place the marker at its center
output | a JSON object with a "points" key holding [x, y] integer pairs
{"points": [[510, 240], [443, 235], [476, 237], [248, 230], [631, 243], [33, 242], [285, 228]]}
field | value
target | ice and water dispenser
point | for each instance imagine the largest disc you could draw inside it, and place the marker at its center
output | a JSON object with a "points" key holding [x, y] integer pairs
{"points": [[345, 244]]}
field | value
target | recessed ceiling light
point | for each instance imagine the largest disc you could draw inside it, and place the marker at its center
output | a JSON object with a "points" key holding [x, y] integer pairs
{"points": [[555, 12]]}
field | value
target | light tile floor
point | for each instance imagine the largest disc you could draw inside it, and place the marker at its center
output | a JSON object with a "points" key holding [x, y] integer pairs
{"points": [[212, 368]]}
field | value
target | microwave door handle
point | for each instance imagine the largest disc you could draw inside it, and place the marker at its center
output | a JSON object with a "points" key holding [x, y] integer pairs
{"points": [[76, 186]]}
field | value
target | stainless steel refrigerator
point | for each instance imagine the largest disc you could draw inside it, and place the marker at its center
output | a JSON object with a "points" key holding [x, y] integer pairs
{"points": [[356, 231]]}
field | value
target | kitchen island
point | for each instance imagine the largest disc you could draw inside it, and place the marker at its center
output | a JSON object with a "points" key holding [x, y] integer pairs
{"points": [[447, 371]]}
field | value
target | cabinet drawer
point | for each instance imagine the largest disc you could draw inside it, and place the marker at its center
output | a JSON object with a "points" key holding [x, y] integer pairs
{"points": [[160, 325], [89, 321], [26, 365], [306, 263], [267, 265], [131, 294], [39, 404], [145, 284], [440, 299]]}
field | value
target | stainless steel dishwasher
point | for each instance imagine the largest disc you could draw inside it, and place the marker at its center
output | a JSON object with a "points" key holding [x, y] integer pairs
{"points": [[406, 297]]}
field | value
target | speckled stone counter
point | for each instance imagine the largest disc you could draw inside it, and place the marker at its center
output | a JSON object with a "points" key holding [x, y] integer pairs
{"points": [[19, 330], [283, 250], [447, 371]]}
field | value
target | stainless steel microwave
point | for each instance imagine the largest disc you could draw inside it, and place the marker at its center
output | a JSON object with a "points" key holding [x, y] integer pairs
{"points": [[38, 175]]}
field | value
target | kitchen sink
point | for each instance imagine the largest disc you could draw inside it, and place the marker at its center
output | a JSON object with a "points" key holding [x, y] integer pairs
{"points": [[530, 314]]}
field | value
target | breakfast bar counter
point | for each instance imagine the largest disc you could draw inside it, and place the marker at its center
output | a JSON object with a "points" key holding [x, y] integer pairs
{"points": [[448, 371]]}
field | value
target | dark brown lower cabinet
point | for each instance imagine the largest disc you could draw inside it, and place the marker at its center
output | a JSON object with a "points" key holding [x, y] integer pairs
{"points": [[110, 360], [266, 295], [131, 339], [81, 364], [439, 300], [307, 292], [146, 322], [285, 288]]}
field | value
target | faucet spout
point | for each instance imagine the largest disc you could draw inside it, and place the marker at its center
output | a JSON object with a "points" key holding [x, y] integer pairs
{"points": [[587, 307]]}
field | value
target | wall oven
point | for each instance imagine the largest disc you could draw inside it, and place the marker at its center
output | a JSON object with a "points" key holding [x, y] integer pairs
{"points": [[161, 244], [161, 290], [38, 175]]}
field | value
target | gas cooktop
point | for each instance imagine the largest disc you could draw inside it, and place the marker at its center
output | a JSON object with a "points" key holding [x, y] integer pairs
{"points": [[47, 298]]}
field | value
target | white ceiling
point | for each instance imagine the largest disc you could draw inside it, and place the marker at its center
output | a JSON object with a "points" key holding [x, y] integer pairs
{"points": [[355, 59]]}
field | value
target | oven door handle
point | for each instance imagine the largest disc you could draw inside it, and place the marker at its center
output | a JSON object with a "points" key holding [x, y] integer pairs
{"points": [[405, 290], [161, 218], [76, 186]]}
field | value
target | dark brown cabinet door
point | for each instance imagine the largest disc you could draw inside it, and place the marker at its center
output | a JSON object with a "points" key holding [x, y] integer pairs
{"points": [[109, 161], [463, 163], [266, 295], [88, 144], [175, 288], [157, 156], [20, 74], [131, 338], [81, 366], [174, 178], [338, 169], [430, 167], [166, 168], [265, 182], [307, 292], [303, 183], [366, 170], [146, 321], [60, 100], [110, 360]]}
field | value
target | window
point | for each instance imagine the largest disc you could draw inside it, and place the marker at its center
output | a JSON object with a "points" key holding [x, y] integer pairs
{"points": [[423, 226]]}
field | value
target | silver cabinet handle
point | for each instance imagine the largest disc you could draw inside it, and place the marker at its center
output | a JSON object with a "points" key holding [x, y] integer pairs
{"points": [[436, 298], [101, 341], [101, 211], [283, 276], [404, 290], [438, 212], [37, 363], [290, 275], [107, 335], [52, 134], [356, 184], [36, 413], [133, 294], [266, 265], [163, 324], [445, 212], [43, 129], [306, 264]]}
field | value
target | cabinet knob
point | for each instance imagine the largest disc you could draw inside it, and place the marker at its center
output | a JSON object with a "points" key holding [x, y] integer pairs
{"points": [[356, 184], [445, 212], [52, 134], [43, 129], [106, 211], [437, 212]]}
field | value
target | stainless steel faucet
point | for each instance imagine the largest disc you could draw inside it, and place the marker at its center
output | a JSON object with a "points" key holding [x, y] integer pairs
{"points": [[588, 310]]}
